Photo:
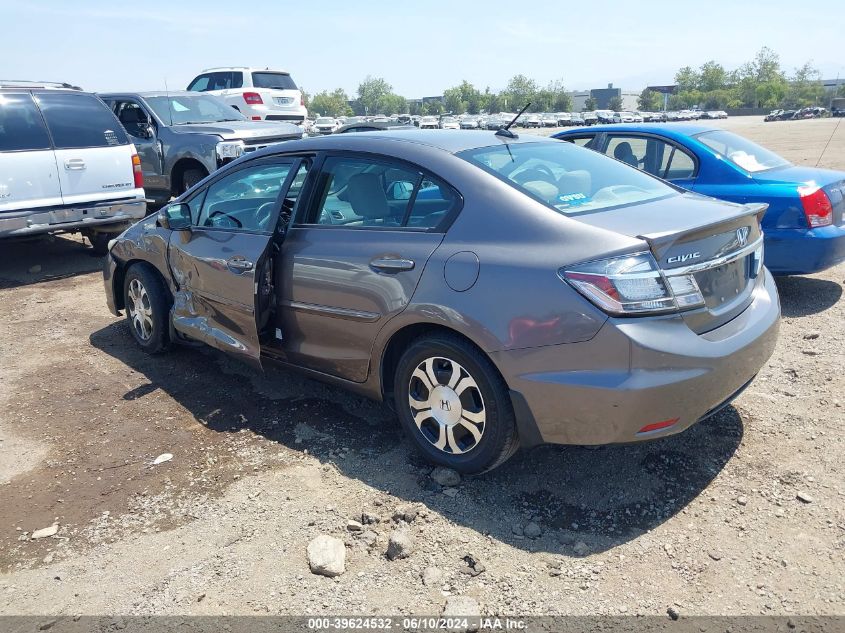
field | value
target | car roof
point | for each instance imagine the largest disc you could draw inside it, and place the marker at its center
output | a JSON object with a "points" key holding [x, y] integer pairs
{"points": [[153, 93], [452, 141], [25, 84], [672, 130], [245, 69]]}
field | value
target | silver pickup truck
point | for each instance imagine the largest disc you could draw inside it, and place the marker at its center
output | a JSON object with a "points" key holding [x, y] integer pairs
{"points": [[182, 137]]}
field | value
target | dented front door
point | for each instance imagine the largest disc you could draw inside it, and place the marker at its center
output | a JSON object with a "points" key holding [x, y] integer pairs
{"points": [[220, 265]]}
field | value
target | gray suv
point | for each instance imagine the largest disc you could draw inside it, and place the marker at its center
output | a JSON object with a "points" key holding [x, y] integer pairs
{"points": [[497, 291], [182, 137]]}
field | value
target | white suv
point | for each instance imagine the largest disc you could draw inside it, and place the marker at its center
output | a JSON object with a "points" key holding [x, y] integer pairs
{"points": [[259, 94], [66, 165]]}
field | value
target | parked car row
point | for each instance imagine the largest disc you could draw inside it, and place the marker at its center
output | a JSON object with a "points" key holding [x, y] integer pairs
{"points": [[797, 115]]}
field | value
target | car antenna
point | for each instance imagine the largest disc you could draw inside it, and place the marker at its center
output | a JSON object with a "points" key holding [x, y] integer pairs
{"points": [[506, 131], [169, 105]]}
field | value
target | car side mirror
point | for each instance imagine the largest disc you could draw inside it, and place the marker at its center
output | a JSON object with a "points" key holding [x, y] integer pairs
{"points": [[175, 217], [400, 190], [145, 130]]}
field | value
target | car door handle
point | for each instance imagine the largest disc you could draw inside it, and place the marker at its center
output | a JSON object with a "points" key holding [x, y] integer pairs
{"points": [[392, 265], [239, 264], [74, 163]]}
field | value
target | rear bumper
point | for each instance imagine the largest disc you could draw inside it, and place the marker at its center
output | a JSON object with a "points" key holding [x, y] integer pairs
{"points": [[802, 251], [639, 372], [114, 215]]}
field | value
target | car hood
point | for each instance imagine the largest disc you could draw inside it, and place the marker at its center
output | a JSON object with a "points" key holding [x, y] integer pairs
{"points": [[241, 129], [799, 174]]}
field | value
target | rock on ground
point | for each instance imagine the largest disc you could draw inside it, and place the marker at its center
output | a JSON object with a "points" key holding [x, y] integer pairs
{"points": [[327, 556], [400, 545], [445, 476]]}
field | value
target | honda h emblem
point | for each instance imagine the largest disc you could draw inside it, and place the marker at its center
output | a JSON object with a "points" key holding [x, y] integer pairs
{"points": [[444, 404], [742, 235]]}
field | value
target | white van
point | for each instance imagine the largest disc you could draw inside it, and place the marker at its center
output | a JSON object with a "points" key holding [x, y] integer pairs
{"points": [[66, 165]]}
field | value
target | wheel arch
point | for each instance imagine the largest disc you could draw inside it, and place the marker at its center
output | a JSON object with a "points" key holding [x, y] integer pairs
{"points": [[526, 426], [179, 168], [119, 279]]}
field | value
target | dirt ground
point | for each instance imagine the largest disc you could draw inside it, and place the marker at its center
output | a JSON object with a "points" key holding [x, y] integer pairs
{"points": [[742, 514]]}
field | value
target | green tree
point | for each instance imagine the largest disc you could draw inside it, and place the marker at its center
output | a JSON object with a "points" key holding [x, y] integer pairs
{"points": [[615, 104], [519, 91], [590, 104], [712, 76], [463, 98], [650, 101], [687, 79], [335, 103], [805, 88], [433, 108], [371, 92]]}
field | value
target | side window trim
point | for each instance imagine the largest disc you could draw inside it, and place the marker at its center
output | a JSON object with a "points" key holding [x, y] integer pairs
{"points": [[295, 162]]}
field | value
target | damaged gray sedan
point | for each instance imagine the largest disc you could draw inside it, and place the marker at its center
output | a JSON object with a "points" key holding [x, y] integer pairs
{"points": [[497, 291]]}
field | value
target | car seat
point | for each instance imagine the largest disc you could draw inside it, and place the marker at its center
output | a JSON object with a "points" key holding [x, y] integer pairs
{"points": [[624, 153]]}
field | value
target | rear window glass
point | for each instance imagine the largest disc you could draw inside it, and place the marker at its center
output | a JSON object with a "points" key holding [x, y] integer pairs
{"points": [[80, 120], [569, 179], [278, 81], [21, 126], [741, 152]]}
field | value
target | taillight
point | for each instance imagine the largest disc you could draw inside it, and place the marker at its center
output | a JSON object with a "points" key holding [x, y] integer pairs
{"points": [[253, 98], [137, 172], [817, 207], [302, 100], [633, 284]]}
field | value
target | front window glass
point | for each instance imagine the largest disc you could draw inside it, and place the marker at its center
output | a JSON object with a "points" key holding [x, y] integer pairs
{"points": [[569, 179], [184, 109], [244, 200], [741, 152]]}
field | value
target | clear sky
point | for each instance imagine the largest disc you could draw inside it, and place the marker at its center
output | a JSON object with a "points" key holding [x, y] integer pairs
{"points": [[420, 49]]}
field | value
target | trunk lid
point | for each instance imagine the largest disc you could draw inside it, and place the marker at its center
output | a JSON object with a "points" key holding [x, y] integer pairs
{"points": [[714, 241], [831, 181]]}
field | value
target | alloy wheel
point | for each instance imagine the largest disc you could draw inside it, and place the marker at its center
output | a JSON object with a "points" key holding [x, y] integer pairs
{"points": [[140, 310], [447, 405]]}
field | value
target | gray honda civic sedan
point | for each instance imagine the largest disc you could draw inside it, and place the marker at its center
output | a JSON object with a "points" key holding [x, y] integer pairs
{"points": [[497, 291]]}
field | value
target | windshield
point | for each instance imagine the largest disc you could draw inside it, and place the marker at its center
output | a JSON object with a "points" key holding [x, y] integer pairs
{"points": [[182, 109], [323, 120], [277, 81], [569, 179], [741, 152]]}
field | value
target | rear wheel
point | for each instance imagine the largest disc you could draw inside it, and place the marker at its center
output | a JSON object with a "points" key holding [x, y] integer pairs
{"points": [[454, 405], [147, 308]]}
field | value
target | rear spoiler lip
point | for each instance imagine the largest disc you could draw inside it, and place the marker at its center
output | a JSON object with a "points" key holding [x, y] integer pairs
{"points": [[758, 209]]}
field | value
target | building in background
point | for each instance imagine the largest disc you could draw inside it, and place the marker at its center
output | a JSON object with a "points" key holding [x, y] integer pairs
{"points": [[603, 97]]}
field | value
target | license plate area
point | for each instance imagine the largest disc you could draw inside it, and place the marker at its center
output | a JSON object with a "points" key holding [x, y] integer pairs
{"points": [[724, 284]]}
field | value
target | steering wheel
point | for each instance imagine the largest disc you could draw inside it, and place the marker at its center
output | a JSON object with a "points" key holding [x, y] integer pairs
{"points": [[537, 172], [237, 223], [263, 215]]}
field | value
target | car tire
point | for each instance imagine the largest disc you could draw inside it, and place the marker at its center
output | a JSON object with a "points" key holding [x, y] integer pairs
{"points": [[192, 177], [100, 242], [472, 428], [147, 303]]}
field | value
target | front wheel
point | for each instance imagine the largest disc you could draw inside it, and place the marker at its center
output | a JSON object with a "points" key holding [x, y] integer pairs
{"points": [[147, 308], [454, 405], [192, 177]]}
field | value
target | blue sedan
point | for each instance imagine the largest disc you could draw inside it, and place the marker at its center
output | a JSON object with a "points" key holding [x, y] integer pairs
{"points": [[804, 225]]}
